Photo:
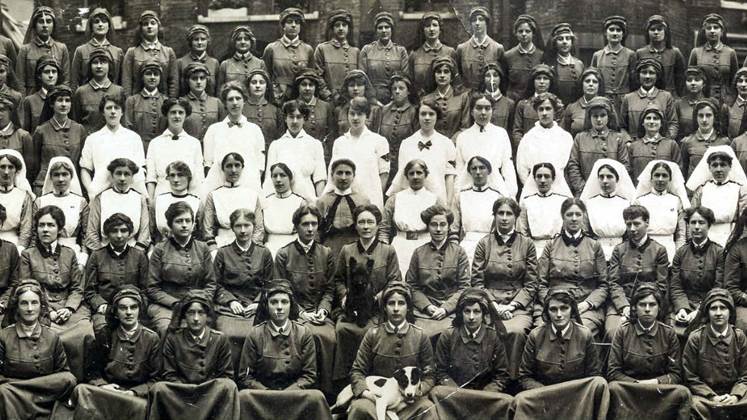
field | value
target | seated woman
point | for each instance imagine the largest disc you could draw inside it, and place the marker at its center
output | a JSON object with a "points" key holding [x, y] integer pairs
{"points": [[180, 184], [310, 269], [643, 369], [127, 363], [735, 276], [471, 363], [277, 370], [505, 265], [112, 267], [364, 268], [119, 197], [34, 368], [241, 270], [706, 113], [561, 363], [278, 207], [650, 142], [56, 268], [639, 258], [395, 343], [714, 361], [540, 217], [438, 273], [9, 260], [185, 391], [17, 199]]}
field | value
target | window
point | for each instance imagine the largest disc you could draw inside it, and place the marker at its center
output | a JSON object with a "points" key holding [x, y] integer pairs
{"points": [[411, 6], [257, 7], [115, 7]]}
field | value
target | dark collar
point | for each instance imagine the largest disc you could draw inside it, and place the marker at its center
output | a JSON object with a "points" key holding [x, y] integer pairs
{"points": [[370, 249], [467, 337], [240, 251], [570, 241], [511, 238], [134, 337], [179, 247], [114, 255], [45, 252], [641, 247]]}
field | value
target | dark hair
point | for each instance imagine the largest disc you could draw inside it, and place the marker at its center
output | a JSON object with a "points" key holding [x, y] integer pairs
{"points": [[283, 167], [170, 102], [269, 94], [542, 165], [420, 36], [662, 128], [228, 87], [432, 105], [139, 31], [570, 202], [580, 83], [564, 298], [13, 161], [47, 111], [118, 219], [609, 168], [11, 312], [242, 212], [180, 166], [635, 211], [436, 210], [482, 86], [431, 80], [412, 95], [639, 294], [57, 215], [507, 201], [387, 293], [622, 40], [704, 212], [119, 100], [557, 104], [550, 54], [660, 165], [716, 116], [659, 83], [458, 320], [338, 162], [303, 210], [529, 93], [720, 155], [482, 160], [40, 69], [473, 98], [234, 156], [411, 164], [292, 106], [330, 31], [122, 162], [263, 307], [667, 34], [359, 105], [369, 92], [113, 322], [89, 25], [371, 208], [177, 209]]}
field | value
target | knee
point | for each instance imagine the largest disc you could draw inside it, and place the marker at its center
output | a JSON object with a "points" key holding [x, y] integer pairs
{"points": [[598, 382], [226, 385], [614, 387], [683, 394]]}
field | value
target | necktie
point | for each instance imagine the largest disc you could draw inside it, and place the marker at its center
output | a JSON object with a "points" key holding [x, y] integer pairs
{"points": [[174, 137], [426, 145]]}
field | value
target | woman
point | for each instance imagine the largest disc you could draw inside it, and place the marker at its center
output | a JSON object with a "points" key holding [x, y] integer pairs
{"points": [[615, 61], [574, 260], [521, 59], [278, 370], [8, 80], [300, 152], [179, 177], [39, 42], [88, 96], [148, 47], [364, 268], [15, 138], [429, 48], [142, 108], [651, 143], [259, 107], [715, 375], [383, 57], [659, 39], [492, 85], [546, 141], [606, 198], [356, 85], [397, 333], [644, 376], [9, 258], [697, 86], [438, 273], [221, 202], [491, 142], [177, 265], [310, 269], [734, 114], [56, 268], [600, 139], [454, 106], [320, 124], [714, 57], [289, 54], [335, 57], [433, 148], [399, 118], [505, 265], [473, 54], [241, 59], [541, 200], [278, 208], [559, 55], [47, 76], [98, 151], [591, 84], [544, 374], [471, 358], [120, 197], [652, 79], [198, 40], [719, 184], [31, 388], [697, 267], [402, 226], [734, 273], [100, 30], [191, 341], [17, 199], [707, 134], [542, 80], [206, 108], [128, 363]]}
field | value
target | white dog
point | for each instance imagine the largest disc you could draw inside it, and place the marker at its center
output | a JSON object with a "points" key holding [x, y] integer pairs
{"points": [[392, 394]]}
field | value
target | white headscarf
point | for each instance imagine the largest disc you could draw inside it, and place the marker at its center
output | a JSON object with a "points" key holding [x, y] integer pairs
{"points": [[74, 181], [702, 172], [20, 181], [624, 189], [676, 184], [530, 188]]}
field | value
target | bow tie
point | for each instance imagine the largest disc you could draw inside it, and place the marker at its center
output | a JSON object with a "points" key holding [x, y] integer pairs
{"points": [[231, 124], [426, 145], [174, 137]]}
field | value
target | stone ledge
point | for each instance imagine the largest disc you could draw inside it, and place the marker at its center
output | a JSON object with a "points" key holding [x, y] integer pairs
{"points": [[224, 18]]}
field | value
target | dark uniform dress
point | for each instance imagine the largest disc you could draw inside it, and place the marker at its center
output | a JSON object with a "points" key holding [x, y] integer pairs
{"points": [[311, 274], [134, 59], [673, 65], [694, 147], [284, 59], [9, 260], [33, 373], [695, 271], [714, 365], [472, 57], [618, 71], [567, 79], [373, 120], [30, 53], [508, 271], [52, 139], [86, 100], [278, 374], [81, 65], [267, 116], [684, 107], [639, 354], [321, 125], [476, 363], [520, 63], [61, 278], [731, 116], [397, 124], [143, 115], [455, 108], [382, 352], [503, 111], [210, 62], [720, 64], [197, 379], [380, 62], [333, 60], [420, 61], [560, 374], [644, 150], [739, 144], [524, 118], [30, 109], [18, 139], [634, 103], [574, 115], [206, 110], [590, 146], [384, 269], [735, 279], [237, 68]]}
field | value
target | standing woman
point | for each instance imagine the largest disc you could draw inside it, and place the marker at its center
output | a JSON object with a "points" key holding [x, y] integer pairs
{"points": [[659, 39], [278, 207], [734, 272], [429, 48], [13, 137], [17, 199], [735, 114], [100, 29], [493, 84], [198, 39], [30, 388], [320, 124], [206, 108], [287, 56], [47, 76], [399, 118], [651, 78], [260, 108], [148, 47], [541, 200], [383, 57], [521, 59], [717, 59], [615, 61], [454, 106], [8, 81], [559, 55], [652, 142], [142, 108], [590, 84], [697, 86], [707, 134], [241, 61], [39, 42], [357, 85], [472, 55], [334, 58], [88, 96], [542, 80]]}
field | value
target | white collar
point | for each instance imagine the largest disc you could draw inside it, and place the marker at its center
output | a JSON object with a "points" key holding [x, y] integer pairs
{"points": [[576, 236], [281, 329], [306, 247], [348, 191], [565, 330]]}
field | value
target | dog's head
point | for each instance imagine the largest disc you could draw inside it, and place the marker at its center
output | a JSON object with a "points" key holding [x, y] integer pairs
{"points": [[408, 379]]}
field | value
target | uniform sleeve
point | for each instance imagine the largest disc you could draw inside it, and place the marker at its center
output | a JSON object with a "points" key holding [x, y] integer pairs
{"points": [[500, 369], [24, 268], [75, 289], [599, 295], [419, 298], [267, 57], [526, 295], [680, 234], [674, 373], [170, 371], [21, 75], [386, 229], [593, 363], [75, 68], [13, 266], [740, 387], [128, 70], [463, 280], [691, 369], [517, 130], [60, 357], [153, 363], [208, 144], [508, 169], [543, 272], [173, 75], [224, 362], [480, 263], [258, 236], [154, 291], [26, 225], [209, 280], [616, 358], [31, 152], [679, 73], [443, 360], [91, 292], [427, 365], [143, 235], [573, 169], [527, 366], [678, 296], [624, 117], [616, 292], [247, 364], [222, 296], [733, 267], [209, 223], [329, 288], [280, 268], [65, 62], [308, 375], [362, 363]]}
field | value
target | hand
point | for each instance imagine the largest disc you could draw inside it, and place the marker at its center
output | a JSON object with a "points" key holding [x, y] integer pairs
{"points": [[583, 307], [507, 315], [438, 314], [502, 309], [102, 308], [53, 316], [682, 316], [63, 315], [306, 316], [236, 307], [729, 399], [110, 387], [321, 315], [719, 398], [652, 381], [2, 308], [369, 396], [625, 312], [250, 310]]}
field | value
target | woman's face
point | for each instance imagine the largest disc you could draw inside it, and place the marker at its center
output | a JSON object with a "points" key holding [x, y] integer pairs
{"points": [[614, 34], [599, 118], [243, 43], [416, 177], [257, 86], [591, 85], [122, 178], [492, 80], [647, 310], [292, 27], [438, 228], [366, 225], [279, 304], [232, 169], [357, 120], [49, 76], [196, 317], [564, 43], [698, 227], [572, 219], [44, 26], [100, 67], [479, 173], [197, 82], [178, 180], [112, 114], [118, 236], [652, 123], [47, 230], [29, 307], [280, 180], [384, 31], [543, 178], [694, 84], [62, 105], [656, 33], [307, 89], [295, 121], [482, 111], [199, 42], [61, 178], [706, 118], [505, 219], [560, 313], [479, 24], [400, 92], [243, 228], [660, 179], [607, 181], [4, 115], [343, 176], [546, 113], [340, 29], [234, 103], [149, 28], [356, 88], [719, 169], [472, 316], [427, 117], [718, 315], [396, 308], [713, 32], [151, 79], [647, 76], [432, 30], [524, 33], [182, 226], [637, 229], [176, 116], [742, 85], [442, 75], [541, 83], [7, 172], [3, 75], [100, 26], [128, 311], [307, 228]]}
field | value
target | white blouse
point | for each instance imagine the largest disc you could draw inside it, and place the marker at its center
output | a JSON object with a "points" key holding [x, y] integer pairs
{"points": [[104, 146], [246, 140], [540, 215], [163, 150], [476, 209], [370, 154], [278, 213], [440, 158], [540, 145], [494, 145], [304, 155]]}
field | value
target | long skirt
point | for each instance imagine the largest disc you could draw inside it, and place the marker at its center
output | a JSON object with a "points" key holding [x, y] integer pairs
{"points": [[77, 339], [160, 318], [348, 336], [741, 321], [34, 398], [587, 398], [631, 401], [91, 402], [517, 329], [461, 403], [337, 240], [236, 328], [432, 327], [216, 399], [324, 337], [421, 409], [285, 405], [705, 409]]}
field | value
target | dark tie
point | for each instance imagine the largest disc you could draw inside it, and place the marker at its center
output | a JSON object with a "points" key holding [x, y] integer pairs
{"points": [[231, 124], [280, 330], [174, 137], [426, 145], [559, 334]]}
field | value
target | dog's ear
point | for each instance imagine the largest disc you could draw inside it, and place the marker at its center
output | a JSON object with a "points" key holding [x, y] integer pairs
{"points": [[415, 375], [401, 378], [352, 264]]}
